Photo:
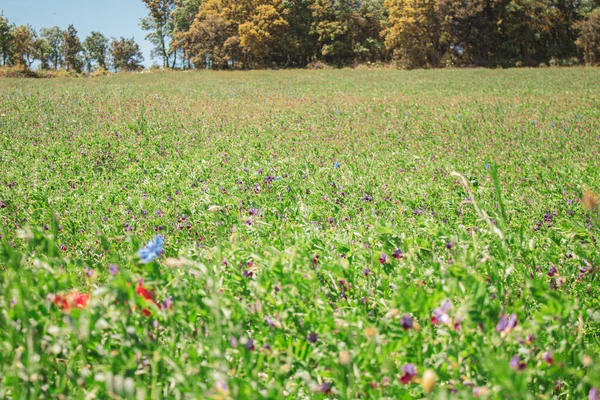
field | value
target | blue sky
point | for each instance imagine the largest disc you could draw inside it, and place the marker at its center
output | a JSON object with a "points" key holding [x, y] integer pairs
{"points": [[114, 18]]}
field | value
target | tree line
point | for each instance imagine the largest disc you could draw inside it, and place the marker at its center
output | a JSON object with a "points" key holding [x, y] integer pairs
{"points": [[55, 48], [412, 33], [227, 34]]}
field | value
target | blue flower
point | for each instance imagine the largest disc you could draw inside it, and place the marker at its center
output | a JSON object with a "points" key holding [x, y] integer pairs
{"points": [[336, 165], [487, 166], [152, 249]]}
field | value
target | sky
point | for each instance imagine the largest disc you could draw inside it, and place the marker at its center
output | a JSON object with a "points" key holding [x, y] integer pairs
{"points": [[113, 18]]}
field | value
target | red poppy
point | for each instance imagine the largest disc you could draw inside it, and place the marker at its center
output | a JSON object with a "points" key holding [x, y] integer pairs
{"points": [[147, 295], [71, 300]]}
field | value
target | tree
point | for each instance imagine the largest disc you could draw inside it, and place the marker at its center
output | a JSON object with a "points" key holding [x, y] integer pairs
{"points": [[96, 47], [5, 40], [589, 37], [72, 49], [261, 34], [55, 38], [183, 17], [413, 32], [23, 45], [160, 23], [42, 51], [126, 55]]}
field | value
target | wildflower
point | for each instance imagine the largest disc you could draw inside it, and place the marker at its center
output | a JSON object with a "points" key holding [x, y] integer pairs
{"points": [[549, 358], [440, 315], [71, 300], [325, 388], [336, 165], [409, 372], [428, 381], [506, 323], [147, 295], [152, 249], [406, 322], [553, 271], [593, 394], [112, 268], [167, 303], [590, 200], [312, 337], [383, 258], [517, 364], [487, 166], [397, 254], [345, 357], [249, 345]]}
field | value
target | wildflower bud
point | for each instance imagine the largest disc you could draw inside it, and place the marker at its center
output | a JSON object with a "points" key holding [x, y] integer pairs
{"points": [[174, 262], [345, 357], [589, 200], [213, 209], [428, 381]]}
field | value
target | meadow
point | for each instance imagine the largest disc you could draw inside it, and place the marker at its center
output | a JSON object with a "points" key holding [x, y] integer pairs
{"points": [[327, 234]]}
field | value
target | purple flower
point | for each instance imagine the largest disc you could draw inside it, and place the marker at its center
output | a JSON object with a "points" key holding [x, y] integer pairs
{"points": [[167, 303], [549, 358], [88, 272], [593, 394], [250, 345], [325, 387], [506, 323], [440, 315], [409, 373], [312, 337], [406, 322], [517, 364], [383, 258], [367, 271], [553, 271], [397, 254]]}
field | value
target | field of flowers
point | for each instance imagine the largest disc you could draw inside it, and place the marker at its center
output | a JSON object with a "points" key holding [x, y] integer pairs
{"points": [[303, 234]]}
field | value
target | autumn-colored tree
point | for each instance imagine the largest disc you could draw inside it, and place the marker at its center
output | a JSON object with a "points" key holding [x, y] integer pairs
{"points": [[262, 33], [412, 32], [72, 49], [55, 38], [126, 55], [23, 40], [160, 24], [96, 47], [589, 38]]}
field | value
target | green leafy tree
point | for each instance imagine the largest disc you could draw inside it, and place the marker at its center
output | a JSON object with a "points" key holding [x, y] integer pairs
{"points": [[55, 38], [42, 51], [160, 24], [126, 55], [72, 49], [96, 47], [5, 40]]}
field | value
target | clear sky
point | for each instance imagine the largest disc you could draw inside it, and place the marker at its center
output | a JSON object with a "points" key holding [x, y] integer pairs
{"points": [[114, 18]]}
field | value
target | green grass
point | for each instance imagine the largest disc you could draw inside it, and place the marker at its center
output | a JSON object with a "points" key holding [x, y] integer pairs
{"points": [[475, 176]]}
